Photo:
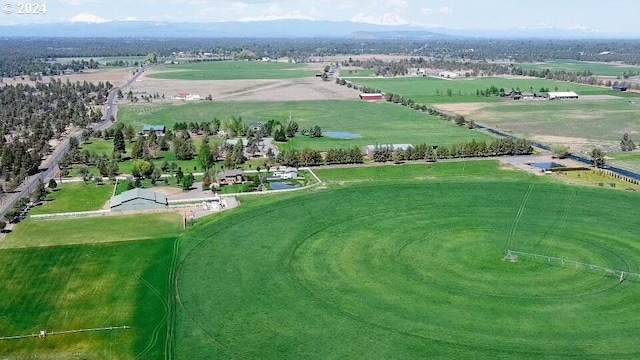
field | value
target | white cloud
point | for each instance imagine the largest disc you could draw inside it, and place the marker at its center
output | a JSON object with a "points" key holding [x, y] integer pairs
{"points": [[386, 19], [443, 10], [87, 18], [297, 15]]}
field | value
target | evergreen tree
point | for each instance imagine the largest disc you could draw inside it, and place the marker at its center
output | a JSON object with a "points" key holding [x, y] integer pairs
{"points": [[205, 159], [119, 145]]}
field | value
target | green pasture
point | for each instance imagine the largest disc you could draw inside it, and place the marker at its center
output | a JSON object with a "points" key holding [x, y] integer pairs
{"points": [[598, 120], [602, 69], [77, 287], [72, 197], [90, 230], [346, 73], [381, 123], [627, 160], [413, 269], [424, 90], [232, 70]]}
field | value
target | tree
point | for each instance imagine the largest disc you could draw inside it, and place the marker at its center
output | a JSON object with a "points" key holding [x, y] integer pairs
{"points": [[597, 157], [119, 144], [316, 131], [129, 133], [74, 144], [459, 120], [3, 225], [279, 134], [179, 175], [53, 184], [626, 144], [291, 130], [40, 193], [142, 168], [205, 159], [137, 151], [187, 181], [560, 151]]}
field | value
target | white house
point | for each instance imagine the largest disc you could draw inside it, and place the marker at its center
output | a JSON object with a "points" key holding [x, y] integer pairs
{"points": [[286, 173]]}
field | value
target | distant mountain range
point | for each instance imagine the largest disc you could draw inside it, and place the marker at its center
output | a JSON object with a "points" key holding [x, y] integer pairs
{"points": [[281, 29]]}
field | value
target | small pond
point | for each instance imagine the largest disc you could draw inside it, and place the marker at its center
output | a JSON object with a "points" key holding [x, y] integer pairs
{"points": [[282, 186], [546, 165], [341, 135]]}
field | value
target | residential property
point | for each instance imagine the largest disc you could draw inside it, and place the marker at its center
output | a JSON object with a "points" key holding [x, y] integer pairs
{"points": [[138, 200], [519, 95], [159, 130], [187, 97], [372, 97], [562, 95], [286, 173], [448, 74], [230, 177], [619, 88], [370, 149]]}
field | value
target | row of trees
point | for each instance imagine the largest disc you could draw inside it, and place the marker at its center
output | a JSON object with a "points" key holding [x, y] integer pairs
{"points": [[498, 147]]}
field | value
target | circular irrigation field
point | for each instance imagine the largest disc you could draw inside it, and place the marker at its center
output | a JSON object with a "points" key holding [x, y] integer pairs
{"points": [[414, 270]]}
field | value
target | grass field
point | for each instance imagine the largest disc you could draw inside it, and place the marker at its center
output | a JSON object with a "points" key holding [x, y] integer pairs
{"points": [[232, 70], [627, 160], [87, 286], [602, 120], [424, 90], [413, 270], [39, 233], [377, 122], [73, 197], [602, 69]]}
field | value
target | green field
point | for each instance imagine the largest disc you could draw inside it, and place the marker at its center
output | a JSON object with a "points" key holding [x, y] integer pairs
{"points": [[81, 287], [602, 69], [381, 123], [232, 70], [384, 269], [602, 120], [39, 233], [74, 197], [627, 160], [424, 90], [348, 73]]}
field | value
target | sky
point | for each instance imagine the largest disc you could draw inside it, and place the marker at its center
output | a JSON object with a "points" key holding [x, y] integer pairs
{"points": [[606, 16]]}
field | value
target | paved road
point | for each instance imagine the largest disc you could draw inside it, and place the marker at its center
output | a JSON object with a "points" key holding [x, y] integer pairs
{"points": [[48, 166]]}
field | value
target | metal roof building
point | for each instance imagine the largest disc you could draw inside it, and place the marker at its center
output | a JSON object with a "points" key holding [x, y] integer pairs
{"points": [[138, 200], [562, 95]]}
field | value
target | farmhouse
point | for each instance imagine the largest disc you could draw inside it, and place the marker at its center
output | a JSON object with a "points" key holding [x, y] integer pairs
{"points": [[370, 149], [230, 177], [286, 173], [372, 97], [561, 95], [159, 130], [138, 200]]}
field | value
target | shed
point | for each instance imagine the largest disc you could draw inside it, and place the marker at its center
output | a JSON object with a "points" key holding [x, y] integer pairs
{"points": [[618, 88], [138, 200], [372, 97], [562, 95]]}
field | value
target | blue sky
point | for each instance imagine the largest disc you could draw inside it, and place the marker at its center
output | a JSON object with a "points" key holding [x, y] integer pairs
{"points": [[613, 16]]}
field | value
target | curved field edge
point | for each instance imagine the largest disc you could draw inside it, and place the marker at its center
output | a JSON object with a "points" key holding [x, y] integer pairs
{"points": [[410, 270]]}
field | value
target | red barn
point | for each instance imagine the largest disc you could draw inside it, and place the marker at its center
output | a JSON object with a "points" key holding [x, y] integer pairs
{"points": [[371, 97]]}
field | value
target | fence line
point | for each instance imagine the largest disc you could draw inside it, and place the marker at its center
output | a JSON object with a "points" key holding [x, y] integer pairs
{"points": [[53, 333], [571, 264]]}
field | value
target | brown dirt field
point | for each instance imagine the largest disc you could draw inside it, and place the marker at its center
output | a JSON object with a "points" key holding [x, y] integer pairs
{"points": [[570, 141], [167, 191], [114, 76], [462, 108], [246, 90]]}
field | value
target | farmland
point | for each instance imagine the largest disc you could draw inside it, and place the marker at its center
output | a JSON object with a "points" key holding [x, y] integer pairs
{"points": [[430, 90], [409, 278], [73, 197], [381, 123], [601, 69], [232, 70]]}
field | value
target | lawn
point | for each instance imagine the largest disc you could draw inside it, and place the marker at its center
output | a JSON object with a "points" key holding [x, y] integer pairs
{"points": [[602, 69], [601, 120], [627, 160], [381, 123], [232, 70], [72, 197], [108, 228], [425, 90], [82, 287], [383, 269]]}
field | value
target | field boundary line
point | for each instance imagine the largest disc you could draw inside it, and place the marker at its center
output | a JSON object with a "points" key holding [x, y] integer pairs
{"points": [[65, 332]]}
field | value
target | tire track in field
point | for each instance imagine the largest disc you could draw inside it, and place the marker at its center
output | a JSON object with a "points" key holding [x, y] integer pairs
{"points": [[514, 225], [171, 303], [156, 330]]}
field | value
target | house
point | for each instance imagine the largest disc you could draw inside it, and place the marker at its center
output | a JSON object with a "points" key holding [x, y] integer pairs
{"points": [[230, 177], [372, 97], [286, 173], [159, 130], [561, 95], [618, 88], [138, 200]]}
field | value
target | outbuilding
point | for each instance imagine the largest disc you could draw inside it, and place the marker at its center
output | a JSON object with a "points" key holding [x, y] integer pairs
{"points": [[372, 97], [618, 88], [138, 200], [562, 95], [159, 130]]}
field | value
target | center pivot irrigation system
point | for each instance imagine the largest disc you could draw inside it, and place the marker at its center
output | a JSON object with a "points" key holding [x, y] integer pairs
{"points": [[622, 275]]}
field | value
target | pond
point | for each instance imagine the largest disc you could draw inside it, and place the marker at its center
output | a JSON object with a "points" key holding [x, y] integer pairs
{"points": [[341, 135], [546, 165], [282, 186]]}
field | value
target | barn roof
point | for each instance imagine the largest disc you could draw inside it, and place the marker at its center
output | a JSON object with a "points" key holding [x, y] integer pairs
{"points": [[137, 193], [154, 128]]}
